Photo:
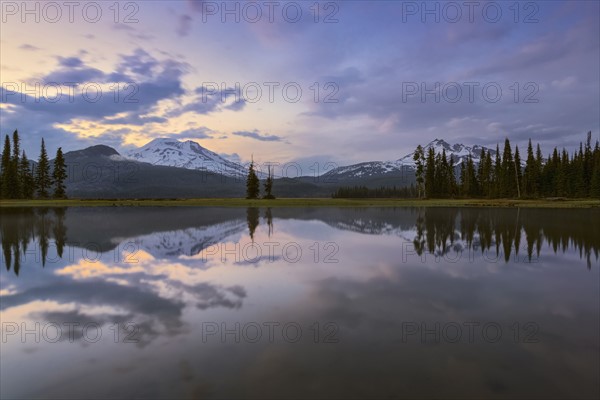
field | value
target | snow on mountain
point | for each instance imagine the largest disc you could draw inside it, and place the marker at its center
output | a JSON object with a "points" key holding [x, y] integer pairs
{"points": [[185, 242], [459, 152], [188, 154]]}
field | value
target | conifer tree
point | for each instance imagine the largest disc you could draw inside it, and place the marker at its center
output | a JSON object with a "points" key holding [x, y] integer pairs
{"points": [[507, 180], [59, 175], [42, 173], [518, 174], [473, 184], [442, 175], [430, 173], [530, 175], [26, 178], [497, 176], [269, 185], [419, 159], [15, 182], [252, 183], [5, 165], [595, 181]]}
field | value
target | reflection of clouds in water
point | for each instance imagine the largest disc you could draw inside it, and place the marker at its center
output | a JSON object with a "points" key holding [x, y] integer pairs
{"points": [[370, 314], [151, 293], [170, 290]]}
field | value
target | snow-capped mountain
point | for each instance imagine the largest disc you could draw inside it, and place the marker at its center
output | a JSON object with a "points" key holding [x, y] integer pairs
{"points": [[402, 166], [188, 154], [459, 152]]}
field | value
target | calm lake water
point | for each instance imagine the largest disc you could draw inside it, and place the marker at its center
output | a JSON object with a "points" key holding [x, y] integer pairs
{"points": [[299, 303]]}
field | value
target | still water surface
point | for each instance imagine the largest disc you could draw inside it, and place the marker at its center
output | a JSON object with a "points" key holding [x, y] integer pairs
{"points": [[299, 303]]}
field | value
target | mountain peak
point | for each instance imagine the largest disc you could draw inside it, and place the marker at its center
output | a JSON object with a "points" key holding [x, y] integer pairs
{"points": [[184, 154], [97, 150], [458, 151]]}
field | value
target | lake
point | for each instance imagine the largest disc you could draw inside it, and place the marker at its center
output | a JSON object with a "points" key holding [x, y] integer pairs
{"points": [[123, 302]]}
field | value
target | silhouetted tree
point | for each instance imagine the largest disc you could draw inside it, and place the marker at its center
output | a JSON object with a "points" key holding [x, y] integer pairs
{"points": [[252, 183], [59, 175], [42, 173], [419, 159], [269, 185], [26, 177], [430, 173], [5, 165], [15, 182]]}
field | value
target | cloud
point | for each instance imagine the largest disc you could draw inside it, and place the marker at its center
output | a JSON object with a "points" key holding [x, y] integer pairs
{"points": [[196, 133], [256, 135], [207, 99], [71, 62], [142, 80], [29, 47], [185, 25]]}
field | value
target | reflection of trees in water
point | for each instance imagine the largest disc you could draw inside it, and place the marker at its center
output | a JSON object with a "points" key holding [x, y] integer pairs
{"points": [[439, 231], [269, 218], [21, 226], [500, 229], [252, 216]]}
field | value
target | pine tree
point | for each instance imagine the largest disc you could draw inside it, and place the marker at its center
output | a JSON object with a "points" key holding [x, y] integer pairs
{"points": [[419, 159], [26, 178], [518, 175], [497, 175], [588, 164], [5, 165], [507, 178], [595, 180], [14, 167], [59, 175], [269, 185], [530, 175], [430, 174], [252, 183], [42, 175]]}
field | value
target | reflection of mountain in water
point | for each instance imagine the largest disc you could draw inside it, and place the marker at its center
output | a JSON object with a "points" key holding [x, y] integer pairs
{"points": [[170, 232], [187, 242]]}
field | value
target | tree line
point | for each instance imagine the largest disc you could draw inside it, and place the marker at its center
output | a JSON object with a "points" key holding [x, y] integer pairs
{"points": [[506, 232], [19, 179], [502, 174], [383, 192]]}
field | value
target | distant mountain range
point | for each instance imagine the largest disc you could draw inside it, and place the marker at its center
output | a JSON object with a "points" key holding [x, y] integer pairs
{"points": [[405, 166], [168, 168]]}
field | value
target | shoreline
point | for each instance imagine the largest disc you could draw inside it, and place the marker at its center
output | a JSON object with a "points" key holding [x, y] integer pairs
{"points": [[306, 202]]}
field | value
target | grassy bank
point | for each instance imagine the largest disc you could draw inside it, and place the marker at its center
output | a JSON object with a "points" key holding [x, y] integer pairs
{"points": [[313, 202]]}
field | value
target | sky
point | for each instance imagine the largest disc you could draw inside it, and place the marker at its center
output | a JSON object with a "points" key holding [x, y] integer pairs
{"points": [[311, 82]]}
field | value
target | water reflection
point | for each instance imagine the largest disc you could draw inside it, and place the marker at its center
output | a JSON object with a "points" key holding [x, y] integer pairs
{"points": [[439, 231], [21, 226], [366, 287]]}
